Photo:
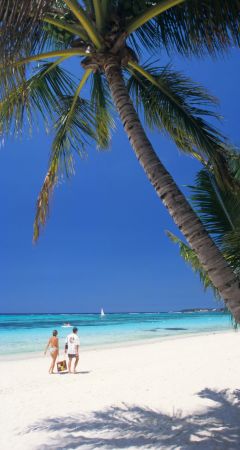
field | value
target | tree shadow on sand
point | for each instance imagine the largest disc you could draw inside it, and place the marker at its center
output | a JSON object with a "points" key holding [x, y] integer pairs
{"points": [[217, 428]]}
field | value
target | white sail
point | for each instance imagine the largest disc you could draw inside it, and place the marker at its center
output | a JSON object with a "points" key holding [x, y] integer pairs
{"points": [[102, 312]]}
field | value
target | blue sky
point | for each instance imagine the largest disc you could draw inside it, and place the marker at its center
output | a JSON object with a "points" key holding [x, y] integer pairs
{"points": [[104, 243]]}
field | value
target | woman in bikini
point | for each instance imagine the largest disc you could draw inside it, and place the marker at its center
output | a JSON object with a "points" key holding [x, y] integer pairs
{"points": [[53, 348]]}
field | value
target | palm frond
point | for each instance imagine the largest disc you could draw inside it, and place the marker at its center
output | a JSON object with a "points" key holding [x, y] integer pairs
{"points": [[146, 37], [40, 94], [10, 78], [233, 159], [231, 248], [103, 110], [53, 37], [60, 28], [73, 127], [200, 27], [105, 8], [220, 213], [98, 14], [42, 208], [218, 209], [16, 73], [190, 257], [174, 104], [19, 24], [86, 22], [191, 27], [75, 124], [40, 26]]}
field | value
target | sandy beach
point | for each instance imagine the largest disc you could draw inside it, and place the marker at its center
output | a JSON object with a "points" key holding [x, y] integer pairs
{"points": [[177, 394]]}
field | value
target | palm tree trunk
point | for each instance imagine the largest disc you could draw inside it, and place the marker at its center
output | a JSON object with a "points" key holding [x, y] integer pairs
{"points": [[183, 215]]}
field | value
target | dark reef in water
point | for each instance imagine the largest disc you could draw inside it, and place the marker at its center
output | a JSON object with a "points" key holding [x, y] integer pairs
{"points": [[170, 328], [203, 310]]}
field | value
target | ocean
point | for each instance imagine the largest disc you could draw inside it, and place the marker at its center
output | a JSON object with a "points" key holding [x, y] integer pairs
{"points": [[29, 333]]}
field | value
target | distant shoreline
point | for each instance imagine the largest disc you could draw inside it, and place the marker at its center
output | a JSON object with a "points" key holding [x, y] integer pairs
{"points": [[222, 310]]}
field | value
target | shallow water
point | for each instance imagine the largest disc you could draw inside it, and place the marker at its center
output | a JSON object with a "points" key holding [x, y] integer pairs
{"points": [[28, 333]]}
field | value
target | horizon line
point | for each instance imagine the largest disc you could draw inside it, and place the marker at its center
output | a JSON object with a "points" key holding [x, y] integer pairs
{"points": [[116, 312]]}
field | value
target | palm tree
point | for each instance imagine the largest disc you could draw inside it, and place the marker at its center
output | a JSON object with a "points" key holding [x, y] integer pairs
{"points": [[108, 36], [219, 211]]}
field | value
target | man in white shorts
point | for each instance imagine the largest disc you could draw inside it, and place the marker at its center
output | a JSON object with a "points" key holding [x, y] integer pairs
{"points": [[72, 345]]}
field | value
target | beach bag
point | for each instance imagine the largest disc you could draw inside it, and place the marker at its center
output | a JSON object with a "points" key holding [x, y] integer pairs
{"points": [[61, 366]]}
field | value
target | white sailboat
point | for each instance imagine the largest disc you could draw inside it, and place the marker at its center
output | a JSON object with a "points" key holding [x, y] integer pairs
{"points": [[102, 313]]}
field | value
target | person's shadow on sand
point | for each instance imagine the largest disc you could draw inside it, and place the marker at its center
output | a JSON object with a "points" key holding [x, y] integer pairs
{"points": [[80, 372], [217, 428]]}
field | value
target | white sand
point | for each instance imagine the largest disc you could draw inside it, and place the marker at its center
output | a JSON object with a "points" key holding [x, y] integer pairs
{"points": [[177, 394]]}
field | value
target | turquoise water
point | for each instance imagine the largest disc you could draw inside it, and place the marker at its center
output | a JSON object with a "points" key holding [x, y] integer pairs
{"points": [[29, 333]]}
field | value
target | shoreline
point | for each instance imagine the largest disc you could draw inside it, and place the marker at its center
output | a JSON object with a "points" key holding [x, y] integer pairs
{"points": [[117, 345]]}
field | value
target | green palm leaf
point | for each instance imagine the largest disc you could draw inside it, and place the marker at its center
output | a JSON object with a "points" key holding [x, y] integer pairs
{"points": [[103, 110], [182, 28], [53, 37], [19, 25], [60, 29], [218, 209], [174, 104], [25, 30], [200, 27], [73, 127], [42, 209], [75, 123], [190, 257], [231, 248], [234, 164], [40, 94], [146, 37]]}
